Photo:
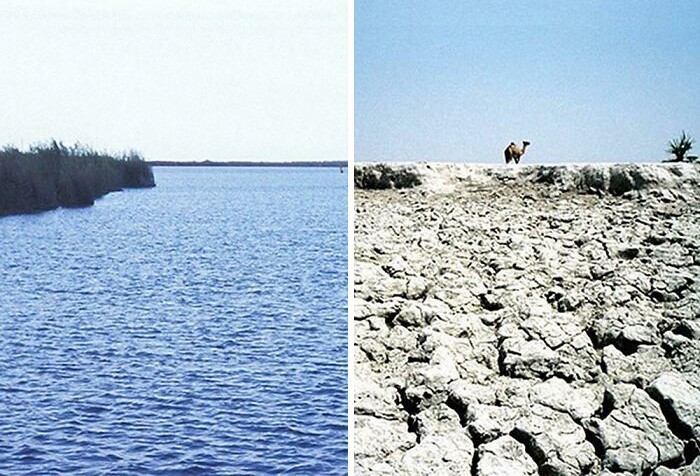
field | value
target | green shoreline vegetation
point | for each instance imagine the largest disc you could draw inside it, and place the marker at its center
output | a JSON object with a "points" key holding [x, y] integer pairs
{"points": [[53, 175]]}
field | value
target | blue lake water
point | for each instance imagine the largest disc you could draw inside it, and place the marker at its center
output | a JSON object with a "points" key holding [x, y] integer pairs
{"points": [[199, 327]]}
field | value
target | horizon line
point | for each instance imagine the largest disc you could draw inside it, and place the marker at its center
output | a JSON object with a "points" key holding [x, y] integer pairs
{"points": [[248, 163]]}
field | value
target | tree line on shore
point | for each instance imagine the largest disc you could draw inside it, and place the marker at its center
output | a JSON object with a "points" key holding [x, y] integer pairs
{"points": [[48, 176]]}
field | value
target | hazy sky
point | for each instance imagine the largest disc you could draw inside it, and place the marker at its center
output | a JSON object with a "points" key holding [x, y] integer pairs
{"points": [[177, 79], [584, 81]]}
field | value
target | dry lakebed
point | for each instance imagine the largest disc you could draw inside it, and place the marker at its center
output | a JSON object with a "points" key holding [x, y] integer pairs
{"points": [[527, 320]]}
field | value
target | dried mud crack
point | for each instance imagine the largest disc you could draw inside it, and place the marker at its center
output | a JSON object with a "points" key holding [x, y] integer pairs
{"points": [[540, 320]]}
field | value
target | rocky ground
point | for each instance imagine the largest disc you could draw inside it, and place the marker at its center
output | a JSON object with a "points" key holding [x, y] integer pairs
{"points": [[523, 321]]}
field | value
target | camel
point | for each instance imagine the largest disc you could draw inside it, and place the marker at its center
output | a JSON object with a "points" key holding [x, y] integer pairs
{"points": [[513, 152]]}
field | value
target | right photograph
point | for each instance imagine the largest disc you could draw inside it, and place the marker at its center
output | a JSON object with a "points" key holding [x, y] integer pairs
{"points": [[526, 238]]}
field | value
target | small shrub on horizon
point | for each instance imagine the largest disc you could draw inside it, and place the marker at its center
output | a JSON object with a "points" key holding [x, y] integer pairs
{"points": [[680, 146]]}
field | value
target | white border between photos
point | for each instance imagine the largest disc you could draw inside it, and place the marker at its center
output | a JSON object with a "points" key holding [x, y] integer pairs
{"points": [[351, 229]]}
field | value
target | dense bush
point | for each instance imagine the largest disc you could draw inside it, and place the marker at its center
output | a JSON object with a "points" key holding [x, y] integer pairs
{"points": [[53, 175]]}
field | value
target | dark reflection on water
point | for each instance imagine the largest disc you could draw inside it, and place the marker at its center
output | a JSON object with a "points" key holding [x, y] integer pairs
{"points": [[196, 328]]}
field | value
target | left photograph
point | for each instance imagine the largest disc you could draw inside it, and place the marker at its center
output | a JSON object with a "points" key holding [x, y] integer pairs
{"points": [[174, 237]]}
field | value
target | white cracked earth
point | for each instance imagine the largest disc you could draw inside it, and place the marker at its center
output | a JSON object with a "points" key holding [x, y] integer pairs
{"points": [[527, 320]]}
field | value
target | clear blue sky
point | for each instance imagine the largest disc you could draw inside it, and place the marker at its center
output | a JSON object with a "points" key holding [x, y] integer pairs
{"points": [[178, 79], [584, 81]]}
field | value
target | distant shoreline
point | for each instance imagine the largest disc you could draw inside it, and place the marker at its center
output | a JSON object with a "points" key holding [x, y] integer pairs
{"points": [[209, 163]]}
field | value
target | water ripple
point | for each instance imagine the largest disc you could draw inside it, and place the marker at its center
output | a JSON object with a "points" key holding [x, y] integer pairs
{"points": [[196, 328]]}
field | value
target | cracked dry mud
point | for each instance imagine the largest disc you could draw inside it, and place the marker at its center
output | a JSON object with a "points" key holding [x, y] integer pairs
{"points": [[528, 321]]}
